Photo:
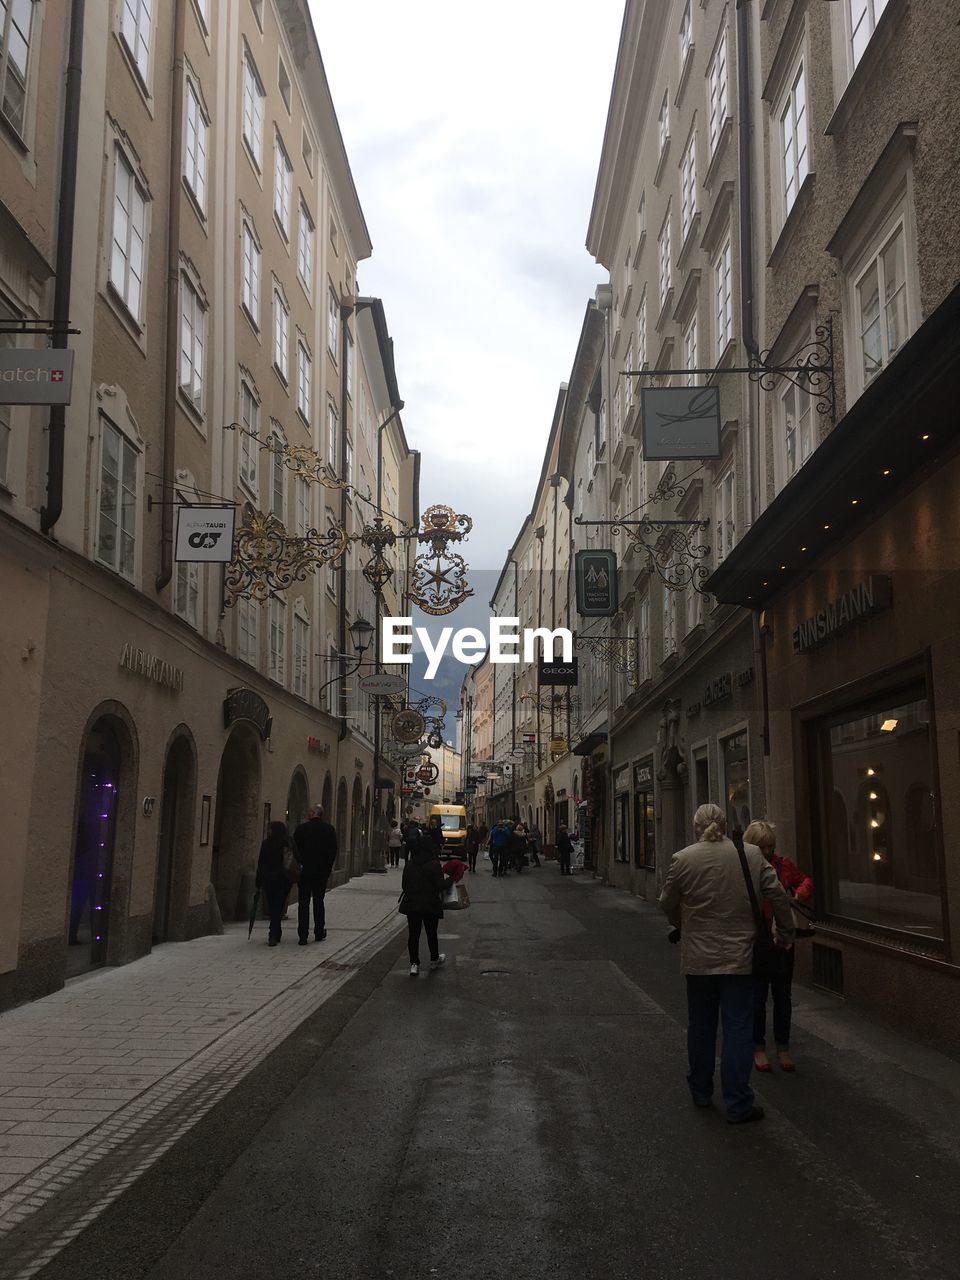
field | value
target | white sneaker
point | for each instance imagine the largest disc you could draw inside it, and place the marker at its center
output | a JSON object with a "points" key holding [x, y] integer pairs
{"points": [[435, 964], [414, 970]]}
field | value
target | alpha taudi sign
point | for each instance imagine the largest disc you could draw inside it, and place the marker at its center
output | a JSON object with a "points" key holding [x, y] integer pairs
{"points": [[205, 534]]}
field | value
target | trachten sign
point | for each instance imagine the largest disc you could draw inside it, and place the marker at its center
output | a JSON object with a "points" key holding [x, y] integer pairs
{"points": [[205, 535], [872, 595], [36, 377], [597, 592], [148, 665], [680, 422]]}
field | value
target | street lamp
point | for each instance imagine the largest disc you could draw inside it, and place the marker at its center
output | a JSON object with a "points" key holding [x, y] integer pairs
{"points": [[361, 633]]}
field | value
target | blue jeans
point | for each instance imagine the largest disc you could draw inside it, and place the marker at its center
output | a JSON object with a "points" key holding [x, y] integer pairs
{"points": [[730, 997]]}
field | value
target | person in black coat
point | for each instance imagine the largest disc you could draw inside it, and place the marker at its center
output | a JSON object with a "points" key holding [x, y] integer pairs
{"points": [[315, 845], [473, 846], [564, 849], [272, 876], [435, 831], [422, 901]]}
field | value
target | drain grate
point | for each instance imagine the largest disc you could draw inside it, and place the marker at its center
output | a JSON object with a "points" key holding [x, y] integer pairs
{"points": [[494, 973]]}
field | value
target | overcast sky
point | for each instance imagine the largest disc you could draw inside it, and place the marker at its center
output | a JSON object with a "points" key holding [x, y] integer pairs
{"points": [[474, 134]]}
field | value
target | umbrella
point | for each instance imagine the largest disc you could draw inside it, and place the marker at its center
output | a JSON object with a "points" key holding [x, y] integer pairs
{"points": [[253, 911]]}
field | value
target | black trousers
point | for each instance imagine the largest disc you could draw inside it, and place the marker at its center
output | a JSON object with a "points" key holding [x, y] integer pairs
{"points": [[394, 855], [472, 858], [276, 891], [564, 863], [780, 989], [312, 889], [415, 921]]}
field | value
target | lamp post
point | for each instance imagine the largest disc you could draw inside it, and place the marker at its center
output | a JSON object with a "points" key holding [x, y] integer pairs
{"points": [[361, 633]]}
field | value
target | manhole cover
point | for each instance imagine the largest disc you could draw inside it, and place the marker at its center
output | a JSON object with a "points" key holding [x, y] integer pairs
{"points": [[494, 973]]}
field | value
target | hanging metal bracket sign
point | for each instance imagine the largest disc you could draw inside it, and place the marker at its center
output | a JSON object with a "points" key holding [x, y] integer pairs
{"points": [[36, 376]]}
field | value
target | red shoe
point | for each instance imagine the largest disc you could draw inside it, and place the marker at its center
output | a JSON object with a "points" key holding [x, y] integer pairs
{"points": [[761, 1062], [785, 1061]]}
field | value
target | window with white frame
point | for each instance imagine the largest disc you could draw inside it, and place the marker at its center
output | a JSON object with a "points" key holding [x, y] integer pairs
{"points": [[642, 217], [193, 321], [195, 146], [135, 24], [663, 122], [306, 150], [690, 350], [601, 431], [282, 187], [304, 380], [794, 142], [718, 93], [723, 298], [16, 31], [203, 9], [643, 639], [302, 506], [881, 302], [628, 385], [348, 460], [332, 566], [665, 259], [301, 656], [117, 501], [692, 608], [248, 631], [686, 35], [795, 408], [669, 621], [617, 414], [688, 187], [863, 16], [333, 322], [642, 333], [283, 84], [281, 335], [278, 639], [332, 437], [127, 256], [249, 449], [187, 592], [305, 239], [7, 342], [253, 96], [348, 343], [726, 508], [278, 477], [250, 274]]}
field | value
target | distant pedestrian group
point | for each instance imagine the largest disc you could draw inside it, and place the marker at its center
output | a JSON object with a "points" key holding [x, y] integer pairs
{"points": [[306, 858]]}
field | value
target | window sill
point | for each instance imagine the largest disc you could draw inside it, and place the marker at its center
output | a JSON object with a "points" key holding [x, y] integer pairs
{"points": [[197, 206], [283, 232], [792, 220], [684, 73], [864, 73], [195, 415], [666, 307], [125, 315], [690, 238], [250, 320], [254, 163], [903, 945], [638, 252], [135, 71], [662, 162], [13, 135], [716, 159], [249, 489], [281, 377]]}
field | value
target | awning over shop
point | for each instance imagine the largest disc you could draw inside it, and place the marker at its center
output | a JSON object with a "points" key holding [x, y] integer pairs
{"points": [[590, 743]]}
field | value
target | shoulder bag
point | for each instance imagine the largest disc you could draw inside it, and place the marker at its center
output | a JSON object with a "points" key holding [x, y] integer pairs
{"points": [[769, 960]]}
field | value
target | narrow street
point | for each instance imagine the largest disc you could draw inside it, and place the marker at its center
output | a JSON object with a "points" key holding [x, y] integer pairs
{"points": [[523, 1112]]}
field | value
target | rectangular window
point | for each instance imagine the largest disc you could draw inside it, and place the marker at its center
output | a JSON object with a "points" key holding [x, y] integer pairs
{"points": [[735, 759], [642, 334], [129, 236], [723, 299], [304, 381], [726, 507], [878, 815], [253, 96], [283, 188], [332, 438], [195, 148], [16, 22], [117, 501], [250, 276], [306, 150], [305, 238], [669, 621], [348, 461], [333, 322], [643, 640], [690, 351], [135, 28], [278, 639], [303, 521], [641, 217], [188, 593], [794, 159], [193, 320], [348, 342], [796, 414], [863, 16], [248, 628], [301, 656], [278, 478], [717, 87], [248, 448], [665, 259], [283, 84], [281, 336], [686, 35], [881, 304], [628, 382], [663, 123], [688, 187]]}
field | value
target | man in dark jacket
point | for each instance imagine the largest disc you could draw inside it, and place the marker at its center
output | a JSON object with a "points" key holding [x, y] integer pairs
{"points": [[564, 849], [315, 842], [422, 901]]}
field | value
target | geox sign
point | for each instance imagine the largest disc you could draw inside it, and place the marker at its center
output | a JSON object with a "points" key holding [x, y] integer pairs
{"points": [[870, 596]]}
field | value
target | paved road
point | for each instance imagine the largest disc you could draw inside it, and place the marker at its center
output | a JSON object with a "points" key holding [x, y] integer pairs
{"points": [[523, 1113]]}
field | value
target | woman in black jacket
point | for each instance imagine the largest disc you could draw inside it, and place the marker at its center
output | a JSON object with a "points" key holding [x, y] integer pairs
{"points": [[422, 901], [272, 875]]}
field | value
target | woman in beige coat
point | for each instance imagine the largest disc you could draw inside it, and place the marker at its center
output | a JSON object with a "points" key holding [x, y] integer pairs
{"points": [[705, 896]]}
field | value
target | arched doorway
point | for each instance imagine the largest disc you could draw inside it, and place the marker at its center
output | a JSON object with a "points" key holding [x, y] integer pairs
{"points": [[341, 822], [174, 846], [298, 799], [236, 826], [95, 840], [327, 801]]}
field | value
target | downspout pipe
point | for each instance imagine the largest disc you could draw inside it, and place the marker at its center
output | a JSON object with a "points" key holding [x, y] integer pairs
{"points": [[346, 310], [52, 509], [746, 179], [172, 352]]}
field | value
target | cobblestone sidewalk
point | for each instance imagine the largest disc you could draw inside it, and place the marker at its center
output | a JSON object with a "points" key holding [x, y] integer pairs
{"points": [[87, 1073]]}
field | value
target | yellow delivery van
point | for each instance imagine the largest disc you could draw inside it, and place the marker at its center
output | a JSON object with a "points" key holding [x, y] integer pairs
{"points": [[453, 820]]}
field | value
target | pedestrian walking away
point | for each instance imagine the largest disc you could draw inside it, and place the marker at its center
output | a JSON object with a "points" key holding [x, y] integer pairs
{"points": [[536, 844], [273, 876], [473, 847], [315, 842], [500, 838], [705, 896], [564, 849], [778, 984], [422, 901], [394, 843]]}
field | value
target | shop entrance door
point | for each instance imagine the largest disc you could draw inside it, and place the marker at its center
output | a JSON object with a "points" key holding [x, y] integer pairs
{"points": [[93, 851]]}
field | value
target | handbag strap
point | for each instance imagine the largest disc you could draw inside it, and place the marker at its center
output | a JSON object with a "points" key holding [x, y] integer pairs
{"points": [[754, 904]]}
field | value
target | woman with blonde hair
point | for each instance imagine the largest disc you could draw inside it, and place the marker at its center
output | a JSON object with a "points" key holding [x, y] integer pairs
{"points": [[763, 834], [705, 896]]}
